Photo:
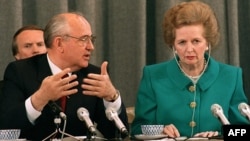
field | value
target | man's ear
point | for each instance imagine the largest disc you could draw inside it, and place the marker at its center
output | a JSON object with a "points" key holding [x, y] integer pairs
{"points": [[17, 57], [57, 42]]}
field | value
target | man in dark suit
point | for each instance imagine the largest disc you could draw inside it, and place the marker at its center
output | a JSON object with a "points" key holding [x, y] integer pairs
{"points": [[31, 84], [26, 42], [1, 85]]}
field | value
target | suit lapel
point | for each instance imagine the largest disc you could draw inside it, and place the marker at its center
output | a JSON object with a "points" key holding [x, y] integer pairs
{"points": [[43, 68]]}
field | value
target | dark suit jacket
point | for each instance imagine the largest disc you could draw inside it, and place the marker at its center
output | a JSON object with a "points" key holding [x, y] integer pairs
{"points": [[1, 95], [22, 78]]}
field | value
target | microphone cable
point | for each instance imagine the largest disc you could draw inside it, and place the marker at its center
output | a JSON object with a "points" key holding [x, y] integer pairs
{"points": [[194, 82], [208, 59], [64, 128]]}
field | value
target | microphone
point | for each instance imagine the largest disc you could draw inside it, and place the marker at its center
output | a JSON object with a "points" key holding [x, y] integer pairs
{"points": [[244, 110], [83, 115], [113, 116], [218, 112], [57, 110]]}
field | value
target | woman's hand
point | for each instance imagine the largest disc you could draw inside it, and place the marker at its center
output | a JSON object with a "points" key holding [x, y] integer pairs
{"points": [[171, 131], [207, 134]]}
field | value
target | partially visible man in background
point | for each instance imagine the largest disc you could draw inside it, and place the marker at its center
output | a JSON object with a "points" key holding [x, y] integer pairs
{"points": [[28, 41]]}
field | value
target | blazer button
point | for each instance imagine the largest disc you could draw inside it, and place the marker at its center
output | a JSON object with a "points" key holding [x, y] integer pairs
{"points": [[192, 124], [191, 88], [193, 104]]}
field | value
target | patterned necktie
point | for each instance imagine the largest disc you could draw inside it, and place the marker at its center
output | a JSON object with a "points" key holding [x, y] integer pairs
{"points": [[63, 99]]}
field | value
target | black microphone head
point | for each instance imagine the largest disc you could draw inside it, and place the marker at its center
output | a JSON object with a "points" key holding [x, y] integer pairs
{"points": [[57, 110], [54, 107]]}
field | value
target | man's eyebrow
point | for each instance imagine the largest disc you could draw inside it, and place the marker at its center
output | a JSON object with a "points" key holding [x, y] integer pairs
{"points": [[40, 42], [28, 43], [86, 36]]}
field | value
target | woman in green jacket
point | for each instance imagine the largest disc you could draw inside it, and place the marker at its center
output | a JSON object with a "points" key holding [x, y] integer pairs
{"points": [[179, 93]]}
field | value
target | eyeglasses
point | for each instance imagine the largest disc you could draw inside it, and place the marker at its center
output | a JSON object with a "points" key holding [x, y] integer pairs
{"points": [[83, 40]]}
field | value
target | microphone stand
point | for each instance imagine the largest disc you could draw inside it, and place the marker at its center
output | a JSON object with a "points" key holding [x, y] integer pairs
{"points": [[52, 136], [92, 136], [89, 136], [118, 135]]}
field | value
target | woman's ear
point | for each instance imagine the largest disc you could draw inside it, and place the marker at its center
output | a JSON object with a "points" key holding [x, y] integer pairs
{"points": [[174, 51]]}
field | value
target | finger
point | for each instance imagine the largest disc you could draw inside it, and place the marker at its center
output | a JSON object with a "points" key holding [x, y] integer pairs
{"points": [[205, 134], [197, 135], [202, 134], [171, 131], [95, 76], [63, 73], [89, 87], [72, 77], [69, 92], [104, 68], [69, 89], [176, 132], [171, 134], [216, 133], [94, 93], [69, 79], [70, 85], [168, 133], [211, 134], [91, 81]]}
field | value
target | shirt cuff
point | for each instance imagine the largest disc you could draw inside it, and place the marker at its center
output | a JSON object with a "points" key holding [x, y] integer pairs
{"points": [[116, 105], [31, 112]]}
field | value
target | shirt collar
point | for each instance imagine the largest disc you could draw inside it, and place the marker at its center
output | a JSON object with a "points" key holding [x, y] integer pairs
{"points": [[54, 69]]}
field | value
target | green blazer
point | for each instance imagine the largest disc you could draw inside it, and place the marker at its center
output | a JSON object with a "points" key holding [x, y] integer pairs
{"points": [[165, 96]]}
